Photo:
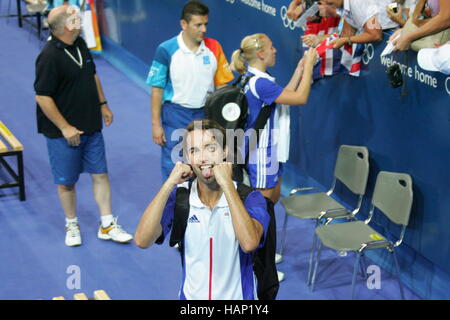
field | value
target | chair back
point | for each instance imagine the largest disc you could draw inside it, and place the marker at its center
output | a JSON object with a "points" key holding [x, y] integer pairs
{"points": [[393, 196], [352, 168]]}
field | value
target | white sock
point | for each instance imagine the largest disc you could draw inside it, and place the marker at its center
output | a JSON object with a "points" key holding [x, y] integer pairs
{"points": [[107, 220], [74, 220]]}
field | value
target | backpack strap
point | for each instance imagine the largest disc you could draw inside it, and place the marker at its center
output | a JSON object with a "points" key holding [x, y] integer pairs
{"points": [[264, 260], [181, 215], [264, 113], [242, 81], [264, 257], [243, 191]]}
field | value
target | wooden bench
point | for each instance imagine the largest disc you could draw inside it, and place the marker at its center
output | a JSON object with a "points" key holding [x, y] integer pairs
{"points": [[98, 295], [10, 146]]}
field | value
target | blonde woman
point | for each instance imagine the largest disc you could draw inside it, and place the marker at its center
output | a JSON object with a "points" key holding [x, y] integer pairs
{"points": [[254, 56]]}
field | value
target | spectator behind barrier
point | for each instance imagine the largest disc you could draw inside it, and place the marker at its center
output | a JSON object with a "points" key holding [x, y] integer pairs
{"points": [[402, 11], [319, 27], [295, 9], [440, 20], [364, 20], [435, 59]]}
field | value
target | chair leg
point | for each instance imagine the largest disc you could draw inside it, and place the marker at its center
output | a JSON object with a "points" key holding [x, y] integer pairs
{"points": [[397, 268], [21, 177], [313, 280], [38, 25], [355, 272], [363, 267], [283, 235], [311, 256]]}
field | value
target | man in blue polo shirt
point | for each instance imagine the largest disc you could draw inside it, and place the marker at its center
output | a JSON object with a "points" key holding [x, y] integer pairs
{"points": [[185, 70], [222, 232]]}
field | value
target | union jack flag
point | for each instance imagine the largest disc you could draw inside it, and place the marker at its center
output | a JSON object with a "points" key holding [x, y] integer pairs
{"points": [[346, 60], [327, 25]]}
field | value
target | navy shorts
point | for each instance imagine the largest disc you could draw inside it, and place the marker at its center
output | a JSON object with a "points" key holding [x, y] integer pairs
{"points": [[68, 162], [263, 169]]}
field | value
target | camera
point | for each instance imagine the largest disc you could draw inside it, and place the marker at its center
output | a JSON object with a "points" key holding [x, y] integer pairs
{"points": [[393, 7], [394, 75]]}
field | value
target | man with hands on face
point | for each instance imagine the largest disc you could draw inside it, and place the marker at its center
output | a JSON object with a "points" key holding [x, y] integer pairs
{"points": [[222, 231]]}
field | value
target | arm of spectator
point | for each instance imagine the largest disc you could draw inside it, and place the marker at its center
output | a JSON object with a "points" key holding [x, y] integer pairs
{"points": [[327, 10], [438, 23], [372, 32], [347, 30], [397, 17], [295, 9], [313, 40]]}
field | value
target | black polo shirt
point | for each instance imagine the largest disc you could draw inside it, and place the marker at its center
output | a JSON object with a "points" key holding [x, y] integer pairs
{"points": [[72, 87]]}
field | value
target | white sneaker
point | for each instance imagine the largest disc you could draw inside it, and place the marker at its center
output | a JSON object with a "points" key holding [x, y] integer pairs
{"points": [[73, 236], [280, 276], [114, 232], [278, 258]]}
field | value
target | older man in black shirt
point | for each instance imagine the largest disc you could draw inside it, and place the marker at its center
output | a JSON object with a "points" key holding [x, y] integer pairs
{"points": [[71, 106]]}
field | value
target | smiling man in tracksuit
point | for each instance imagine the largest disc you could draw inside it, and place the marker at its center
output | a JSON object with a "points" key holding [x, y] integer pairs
{"points": [[222, 232], [185, 70]]}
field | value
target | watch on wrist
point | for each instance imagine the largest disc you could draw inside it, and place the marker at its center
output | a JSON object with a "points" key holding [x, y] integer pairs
{"points": [[102, 103]]}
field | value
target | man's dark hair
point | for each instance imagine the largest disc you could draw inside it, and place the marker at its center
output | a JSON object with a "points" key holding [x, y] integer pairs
{"points": [[216, 129], [193, 8]]}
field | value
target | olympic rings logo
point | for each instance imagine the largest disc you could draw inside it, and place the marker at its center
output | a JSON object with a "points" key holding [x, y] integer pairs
{"points": [[368, 54], [447, 83], [288, 23]]}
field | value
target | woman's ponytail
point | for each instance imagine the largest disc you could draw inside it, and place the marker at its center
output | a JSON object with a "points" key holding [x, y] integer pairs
{"points": [[247, 52], [238, 62]]}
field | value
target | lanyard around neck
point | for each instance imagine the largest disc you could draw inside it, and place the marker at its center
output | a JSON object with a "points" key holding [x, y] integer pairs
{"points": [[80, 64]]}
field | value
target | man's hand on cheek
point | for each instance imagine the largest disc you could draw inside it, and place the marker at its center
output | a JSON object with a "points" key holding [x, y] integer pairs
{"points": [[223, 173]]}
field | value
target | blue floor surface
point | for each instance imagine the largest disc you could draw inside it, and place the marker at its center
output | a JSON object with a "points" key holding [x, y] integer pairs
{"points": [[34, 260]]}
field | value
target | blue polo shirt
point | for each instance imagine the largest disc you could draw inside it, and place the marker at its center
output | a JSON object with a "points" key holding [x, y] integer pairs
{"points": [[188, 77]]}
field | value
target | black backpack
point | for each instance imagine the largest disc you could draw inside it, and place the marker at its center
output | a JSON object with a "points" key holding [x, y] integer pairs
{"points": [[263, 258], [228, 106]]}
